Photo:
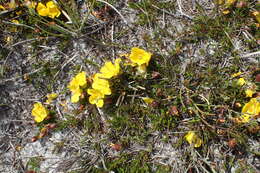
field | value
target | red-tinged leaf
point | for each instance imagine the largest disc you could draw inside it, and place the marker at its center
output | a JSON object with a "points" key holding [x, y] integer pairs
{"points": [[257, 78], [116, 147], [173, 111], [51, 126], [156, 75], [30, 172], [232, 143], [35, 138]]}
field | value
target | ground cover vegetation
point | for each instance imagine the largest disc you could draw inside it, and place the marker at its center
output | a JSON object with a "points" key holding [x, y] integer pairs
{"points": [[136, 86]]}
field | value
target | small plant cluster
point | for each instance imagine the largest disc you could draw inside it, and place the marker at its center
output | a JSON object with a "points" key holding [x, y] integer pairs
{"points": [[251, 109], [228, 5], [98, 85], [44, 18], [50, 9]]}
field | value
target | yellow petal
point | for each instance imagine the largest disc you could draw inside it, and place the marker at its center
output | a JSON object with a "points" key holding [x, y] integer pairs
{"points": [[39, 112], [241, 81], [75, 97], [96, 97], [51, 97], [2, 8], [249, 92], [53, 9], [42, 9], [100, 103], [73, 85], [38, 119], [78, 81], [147, 100], [110, 70], [193, 139], [251, 108], [236, 74], [245, 118], [81, 78], [226, 12], [15, 21], [140, 56], [102, 85]]}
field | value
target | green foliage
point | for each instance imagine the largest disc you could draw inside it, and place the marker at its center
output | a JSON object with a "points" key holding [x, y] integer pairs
{"points": [[34, 164]]}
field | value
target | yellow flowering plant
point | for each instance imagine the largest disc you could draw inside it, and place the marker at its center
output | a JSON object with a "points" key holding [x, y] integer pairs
{"points": [[193, 139], [147, 100], [50, 9], [139, 56], [256, 14], [236, 74], [39, 112], [249, 92], [76, 86], [110, 70], [241, 81], [101, 84], [51, 97], [250, 110], [96, 97]]}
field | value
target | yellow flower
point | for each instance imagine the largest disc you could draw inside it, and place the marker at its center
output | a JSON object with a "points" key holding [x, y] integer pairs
{"points": [[78, 81], [51, 9], [140, 56], [110, 70], [51, 97], [148, 100], [236, 74], [245, 118], [101, 84], [76, 95], [75, 86], [39, 112], [42, 9], [226, 12], [96, 97], [15, 21], [241, 81], [249, 92], [251, 108], [193, 139], [257, 16], [2, 8]]}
